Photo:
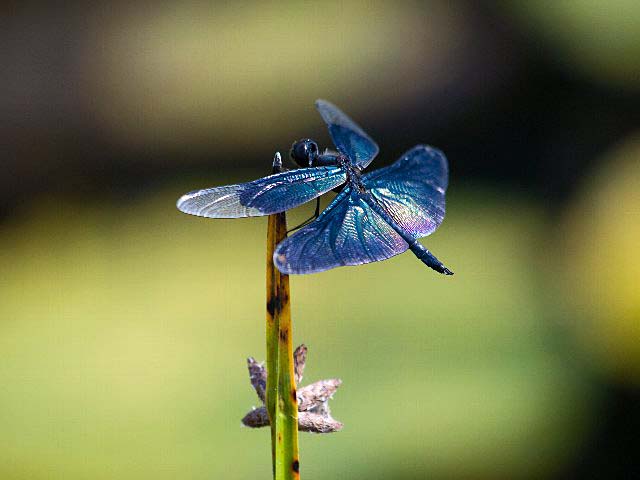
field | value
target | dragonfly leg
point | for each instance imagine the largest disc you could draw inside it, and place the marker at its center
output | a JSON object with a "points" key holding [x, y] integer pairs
{"points": [[310, 219]]}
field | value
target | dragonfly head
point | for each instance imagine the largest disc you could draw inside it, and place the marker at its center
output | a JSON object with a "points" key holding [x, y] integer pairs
{"points": [[304, 152]]}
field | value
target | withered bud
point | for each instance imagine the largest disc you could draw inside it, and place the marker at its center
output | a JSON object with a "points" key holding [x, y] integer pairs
{"points": [[313, 400]]}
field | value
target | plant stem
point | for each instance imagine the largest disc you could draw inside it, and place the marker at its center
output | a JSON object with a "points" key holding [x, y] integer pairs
{"points": [[281, 399]]}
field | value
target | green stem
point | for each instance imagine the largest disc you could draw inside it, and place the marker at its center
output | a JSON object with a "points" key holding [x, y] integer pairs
{"points": [[281, 397]]}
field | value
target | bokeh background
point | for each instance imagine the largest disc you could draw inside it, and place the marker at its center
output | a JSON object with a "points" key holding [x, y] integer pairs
{"points": [[124, 325]]}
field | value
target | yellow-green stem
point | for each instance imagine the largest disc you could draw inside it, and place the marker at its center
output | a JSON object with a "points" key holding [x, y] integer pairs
{"points": [[281, 399]]}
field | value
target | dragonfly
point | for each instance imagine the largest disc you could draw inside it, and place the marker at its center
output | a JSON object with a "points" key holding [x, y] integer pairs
{"points": [[375, 215]]}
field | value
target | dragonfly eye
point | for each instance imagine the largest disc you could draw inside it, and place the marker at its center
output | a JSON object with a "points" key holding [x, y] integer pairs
{"points": [[304, 152]]}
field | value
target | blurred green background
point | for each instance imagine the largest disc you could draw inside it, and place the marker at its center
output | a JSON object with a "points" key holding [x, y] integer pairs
{"points": [[124, 325]]}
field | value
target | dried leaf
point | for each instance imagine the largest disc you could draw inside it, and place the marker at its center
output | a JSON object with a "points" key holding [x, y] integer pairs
{"points": [[258, 377], [299, 360], [317, 393]]}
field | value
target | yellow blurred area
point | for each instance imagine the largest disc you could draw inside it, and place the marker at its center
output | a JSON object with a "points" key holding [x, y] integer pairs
{"points": [[601, 258], [125, 331]]}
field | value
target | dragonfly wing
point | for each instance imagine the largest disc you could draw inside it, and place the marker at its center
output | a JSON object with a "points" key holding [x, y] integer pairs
{"points": [[272, 194], [412, 189], [348, 232], [348, 137]]}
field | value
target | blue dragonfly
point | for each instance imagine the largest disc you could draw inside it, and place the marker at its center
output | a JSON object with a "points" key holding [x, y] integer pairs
{"points": [[375, 216]]}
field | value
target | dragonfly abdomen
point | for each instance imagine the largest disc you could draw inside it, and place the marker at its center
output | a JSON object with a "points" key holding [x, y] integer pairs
{"points": [[424, 255], [428, 258]]}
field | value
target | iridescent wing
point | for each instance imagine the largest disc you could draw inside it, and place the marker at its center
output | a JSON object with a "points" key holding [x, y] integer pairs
{"points": [[411, 190], [348, 137], [272, 194], [347, 232]]}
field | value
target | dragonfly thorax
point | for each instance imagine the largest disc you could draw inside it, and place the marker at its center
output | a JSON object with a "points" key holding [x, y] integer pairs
{"points": [[354, 174]]}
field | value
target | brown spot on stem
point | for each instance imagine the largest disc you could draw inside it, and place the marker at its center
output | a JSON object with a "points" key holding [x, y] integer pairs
{"points": [[295, 466], [284, 335], [271, 306], [283, 295], [294, 395]]}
